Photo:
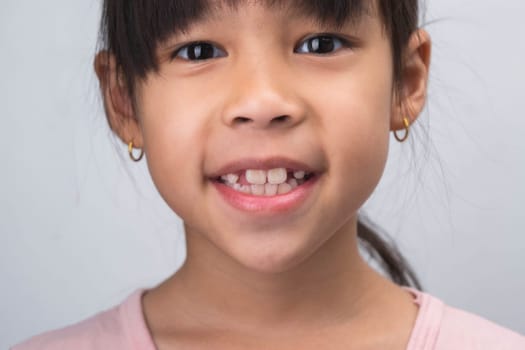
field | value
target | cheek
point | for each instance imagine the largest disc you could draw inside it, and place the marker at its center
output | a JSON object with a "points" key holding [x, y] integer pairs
{"points": [[363, 124], [171, 130], [357, 125], [359, 159]]}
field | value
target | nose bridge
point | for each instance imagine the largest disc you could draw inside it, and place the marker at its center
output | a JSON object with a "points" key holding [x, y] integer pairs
{"points": [[261, 92]]}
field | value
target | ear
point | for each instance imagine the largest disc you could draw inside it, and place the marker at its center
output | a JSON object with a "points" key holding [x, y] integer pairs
{"points": [[411, 97], [117, 102]]}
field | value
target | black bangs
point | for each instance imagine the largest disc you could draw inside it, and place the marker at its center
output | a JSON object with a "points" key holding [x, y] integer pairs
{"points": [[132, 29], [328, 12]]}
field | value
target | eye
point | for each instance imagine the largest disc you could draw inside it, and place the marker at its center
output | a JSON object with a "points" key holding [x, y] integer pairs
{"points": [[198, 51], [322, 44]]}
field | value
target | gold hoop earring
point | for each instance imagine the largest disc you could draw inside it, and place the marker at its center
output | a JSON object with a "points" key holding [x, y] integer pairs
{"points": [[130, 151], [406, 123]]}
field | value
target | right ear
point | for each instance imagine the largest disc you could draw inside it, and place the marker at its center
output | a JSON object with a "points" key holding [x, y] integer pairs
{"points": [[117, 102]]}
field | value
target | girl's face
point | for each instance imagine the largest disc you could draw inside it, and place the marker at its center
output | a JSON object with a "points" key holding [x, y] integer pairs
{"points": [[260, 88]]}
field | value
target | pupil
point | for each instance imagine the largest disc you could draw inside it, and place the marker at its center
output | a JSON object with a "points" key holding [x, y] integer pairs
{"points": [[200, 51], [321, 45]]}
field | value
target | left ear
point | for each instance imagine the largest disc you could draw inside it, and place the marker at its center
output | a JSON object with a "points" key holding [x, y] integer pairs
{"points": [[410, 99]]}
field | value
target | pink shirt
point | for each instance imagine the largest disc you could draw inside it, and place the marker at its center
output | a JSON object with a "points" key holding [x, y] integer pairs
{"points": [[437, 327]]}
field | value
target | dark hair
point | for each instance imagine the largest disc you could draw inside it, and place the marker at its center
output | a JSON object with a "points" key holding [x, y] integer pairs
{"points": [[132, 29]]}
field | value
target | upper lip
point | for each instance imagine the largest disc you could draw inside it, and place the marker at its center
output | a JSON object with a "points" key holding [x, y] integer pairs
{"points": [[262, 164]]}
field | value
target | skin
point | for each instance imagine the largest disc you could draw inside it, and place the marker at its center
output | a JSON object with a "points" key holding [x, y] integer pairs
{"points": [[291, 280]]}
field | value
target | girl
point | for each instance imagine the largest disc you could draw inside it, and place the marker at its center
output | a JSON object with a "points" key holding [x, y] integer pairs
{"points": [[266, 127]]}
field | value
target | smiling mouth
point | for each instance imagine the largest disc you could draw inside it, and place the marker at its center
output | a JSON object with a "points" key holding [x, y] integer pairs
{"points": [[265, 183]]}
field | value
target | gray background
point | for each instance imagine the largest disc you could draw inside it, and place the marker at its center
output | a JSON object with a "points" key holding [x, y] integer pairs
{"points": [[82, 227]]}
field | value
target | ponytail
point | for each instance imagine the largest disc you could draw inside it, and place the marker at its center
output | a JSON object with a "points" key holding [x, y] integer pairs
{"points": [[386, 254]]}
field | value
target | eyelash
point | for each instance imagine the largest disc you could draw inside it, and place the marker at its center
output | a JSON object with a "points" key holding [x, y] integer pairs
{"points": [[192, 51], [198, 44], [315, 43]]}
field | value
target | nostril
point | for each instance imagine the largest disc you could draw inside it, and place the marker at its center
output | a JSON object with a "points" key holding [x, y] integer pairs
{"points": [[281, 118], [262, 121], [242, 120]]}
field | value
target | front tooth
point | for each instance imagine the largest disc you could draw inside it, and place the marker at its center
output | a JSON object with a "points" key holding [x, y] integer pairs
{"points": [[258, 190], [230, 178], [299, 175], [277, 176], [270, 190], [256, 177], [284, 188]]}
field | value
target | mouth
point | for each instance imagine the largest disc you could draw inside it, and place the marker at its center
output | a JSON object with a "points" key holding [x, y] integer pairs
{"points": [[265, 183], [274, 185], [265, 177]]}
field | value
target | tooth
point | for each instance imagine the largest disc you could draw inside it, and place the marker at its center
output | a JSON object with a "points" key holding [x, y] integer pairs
{"points": [[230, 178], [270, 190], [258, 190], [256, 177], [277, 176], [299, 174], [284, 188], [293, 183], [242, 188]]}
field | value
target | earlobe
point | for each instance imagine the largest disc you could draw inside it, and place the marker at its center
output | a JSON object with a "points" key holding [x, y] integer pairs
{"points": [[117, 102], [413, 89]]}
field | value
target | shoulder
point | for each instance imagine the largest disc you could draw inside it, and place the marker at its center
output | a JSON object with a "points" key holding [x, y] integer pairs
{"points": [[474, 332], [97, 332], [121, 327], [442, 327]]}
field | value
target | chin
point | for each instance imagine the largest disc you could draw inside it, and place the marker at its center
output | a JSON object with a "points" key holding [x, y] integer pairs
{"points": [[272, 257]]}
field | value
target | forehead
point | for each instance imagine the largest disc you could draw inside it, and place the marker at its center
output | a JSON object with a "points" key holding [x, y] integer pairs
{"points": [[336, 13]]}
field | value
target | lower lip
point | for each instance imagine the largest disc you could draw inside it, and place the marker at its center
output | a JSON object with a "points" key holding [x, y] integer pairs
{"points": [[267, 204]]}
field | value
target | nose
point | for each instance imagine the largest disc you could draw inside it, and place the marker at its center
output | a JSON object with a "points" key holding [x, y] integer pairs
{"points": [[262, 96]]}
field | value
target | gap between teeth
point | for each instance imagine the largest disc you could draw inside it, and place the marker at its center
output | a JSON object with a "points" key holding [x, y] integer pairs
{"points": [[265, 183]]}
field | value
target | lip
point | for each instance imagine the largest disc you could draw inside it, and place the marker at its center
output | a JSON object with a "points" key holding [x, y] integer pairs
{"points": [[278, 204], [261, 164]]}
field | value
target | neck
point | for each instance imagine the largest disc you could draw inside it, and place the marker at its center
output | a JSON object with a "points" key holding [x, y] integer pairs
{"points": [[333, 285]]}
